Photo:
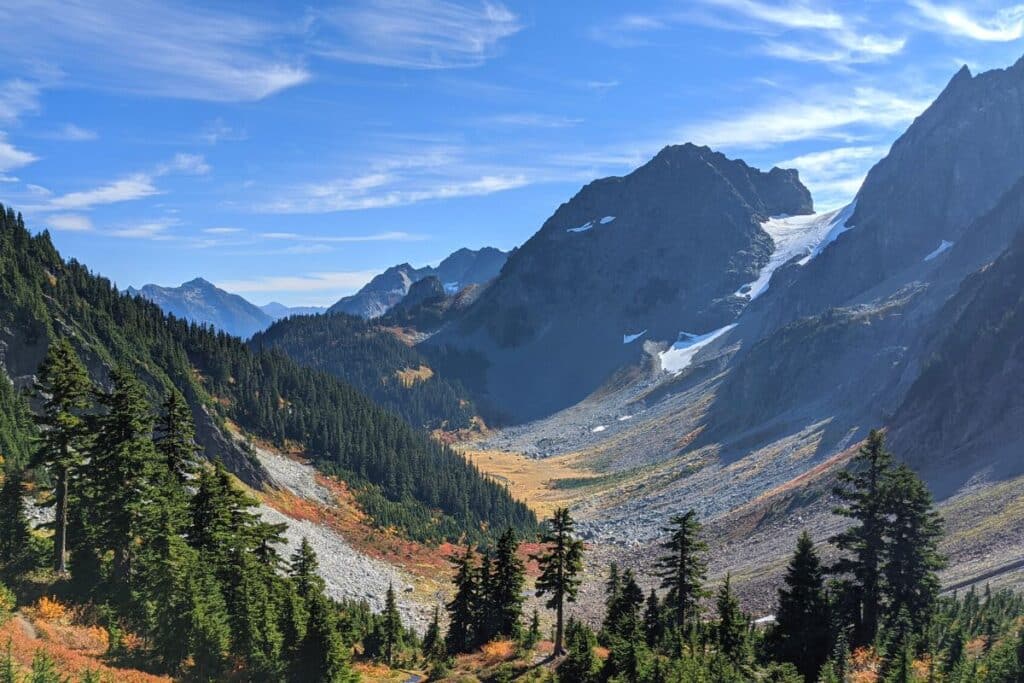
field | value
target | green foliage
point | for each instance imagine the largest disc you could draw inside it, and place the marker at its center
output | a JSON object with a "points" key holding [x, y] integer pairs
{"points": [[560, 566], [580, 664], [802, 620], [683, 568], [732, 626]]}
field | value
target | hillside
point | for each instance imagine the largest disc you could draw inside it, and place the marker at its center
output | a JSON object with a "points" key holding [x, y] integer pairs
{"points": [[199, 301], [403, 478]]}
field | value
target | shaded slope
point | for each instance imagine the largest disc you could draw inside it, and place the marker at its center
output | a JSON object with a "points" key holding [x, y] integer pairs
{"points": [[201, 302]]}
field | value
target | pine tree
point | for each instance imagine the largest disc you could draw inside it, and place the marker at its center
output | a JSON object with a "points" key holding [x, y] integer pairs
{"points": [[433, 645], [64, 387], [683, 568], [912, 557], [15, 553], [462, 610], [323, 656], [44, 669], [532, 636], [732, 626], [560, 566], [860, 489], [654, 625], [507, 581], [580, 664], [176, 437], [485, 622], [255, 619], [391, 627], [305, 570], [802, 620]]}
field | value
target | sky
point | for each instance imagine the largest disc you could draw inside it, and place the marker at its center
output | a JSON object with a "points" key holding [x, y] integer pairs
{"points": [[289, 151]]}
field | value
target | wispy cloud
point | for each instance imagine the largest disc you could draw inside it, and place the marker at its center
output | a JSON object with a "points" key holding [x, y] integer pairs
{"points": [[152, 230], [222, 231], [340, 281], [1005, 25], [397, 236], [527, 120], [72, 133], [152, 48], [11, 157], [414, 34], [217, 131], [835, 175], [600, 86], [630, 30], [20, 97], [70, 222], [813, 116], [129, 188]]}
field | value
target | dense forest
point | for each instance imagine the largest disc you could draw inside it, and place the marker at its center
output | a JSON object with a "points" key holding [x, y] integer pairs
{"points": [[402, 478], [368, 356]]}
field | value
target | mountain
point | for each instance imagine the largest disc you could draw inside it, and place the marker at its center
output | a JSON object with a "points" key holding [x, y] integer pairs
{"points": [[201, 302], [664, 250], [401, 478], [461, 269], [277, 311]]}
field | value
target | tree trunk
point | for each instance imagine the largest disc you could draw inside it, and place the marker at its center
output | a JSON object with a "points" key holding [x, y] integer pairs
{"points": [[60, 537], [559, 650]]}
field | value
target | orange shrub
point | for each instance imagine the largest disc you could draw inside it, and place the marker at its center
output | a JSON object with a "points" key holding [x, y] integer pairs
{"points": [[50, 609], [498, 651]]}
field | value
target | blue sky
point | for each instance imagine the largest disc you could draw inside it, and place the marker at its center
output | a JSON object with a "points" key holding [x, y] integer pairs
{"points": [[288, 152]]}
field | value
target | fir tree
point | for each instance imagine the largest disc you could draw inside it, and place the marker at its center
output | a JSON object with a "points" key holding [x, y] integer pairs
{"points": [[507, 581], [683, 568], [44, 669], [560, 566], [580, 664], [176, 437], [654, 625], [391, 627], [64, 387], [912, 557], [15, 552], [433, 645], [532, 636], [801, 631], [731, 629], [323, 657], [462, 610], [860, 489], [305, 570], [8, 669]]}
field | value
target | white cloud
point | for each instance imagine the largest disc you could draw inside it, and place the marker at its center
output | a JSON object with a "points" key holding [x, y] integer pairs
{"points": [[1005, 25], [794, 15], [11, 157], [846, 47], [378, 237], [811, 116], [70, 222], [126, 189], [222, 231], [153, 48], [835, 175], [339, 281], [193, 164], [217, 131], [154, 230], [20, 97], [9, 179], [72, 133], [414, 34], [533, 120], [600, 86]]}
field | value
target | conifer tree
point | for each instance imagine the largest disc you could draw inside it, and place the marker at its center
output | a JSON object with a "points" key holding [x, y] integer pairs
{"points": [[323, 656], [485, 609], [801, 632], [532, 636], [305, 570], [580, 664], [654, 626], [391, 627], [64, 387], [912, 557], [683, 568], [15, 552], [731, 629], [612, 589], [433, 645], [44, 669], [8, 669], [175, 437], [560, 566], [462, 610], [860, 489], [507, 581]]}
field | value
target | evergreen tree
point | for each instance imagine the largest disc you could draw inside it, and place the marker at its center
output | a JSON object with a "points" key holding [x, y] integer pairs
{"points": [[255, 616], [391, 627], [433, 645], [15, 552], [44, 669], [560, 566], [612, 589], [121, 473], [683, 568], [485, 622], [732, 626], [323, 656], [580, 664], [532, 636], [654, 625], [8, 669], [912, 557], [305, 570], [64, 386], [462, 610], [507, 581], [176, 437], [801, 631], [860, 488]]}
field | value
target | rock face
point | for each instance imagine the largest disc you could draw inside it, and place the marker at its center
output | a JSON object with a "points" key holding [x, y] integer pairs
{"points": [[202, 302], [461, 269], [663, 249]]}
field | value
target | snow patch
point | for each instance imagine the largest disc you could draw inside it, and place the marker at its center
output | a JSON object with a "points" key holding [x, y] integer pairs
{"points": [[623, 418], [943, 246], [451, 287], [795, 236], [630, 338], [681, 354], [583, 228], [606, 220], [599, 428]]}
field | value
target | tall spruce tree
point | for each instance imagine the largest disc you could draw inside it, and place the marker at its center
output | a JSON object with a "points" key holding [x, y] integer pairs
{"points": [[683, 568], [176, 437], [15, 552], [732, 626], [560, 566], [323, 656], [580, 665], [912, 557], [305, 570], [802, 619], [860, 489], [391, 627], [654, 624], [462, 610], [63, 384], [507, 579]]}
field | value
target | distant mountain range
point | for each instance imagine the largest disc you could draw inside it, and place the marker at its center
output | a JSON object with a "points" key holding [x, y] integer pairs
{"points": [[278, 311], [201, 302], [461, 269]]}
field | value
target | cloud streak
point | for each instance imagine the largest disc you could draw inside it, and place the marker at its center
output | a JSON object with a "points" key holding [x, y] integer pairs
{"points": [[1004, 26]]}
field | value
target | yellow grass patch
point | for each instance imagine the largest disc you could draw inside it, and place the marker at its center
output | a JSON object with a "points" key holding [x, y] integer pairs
{"points": [[530, 480], [410, 376]]}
